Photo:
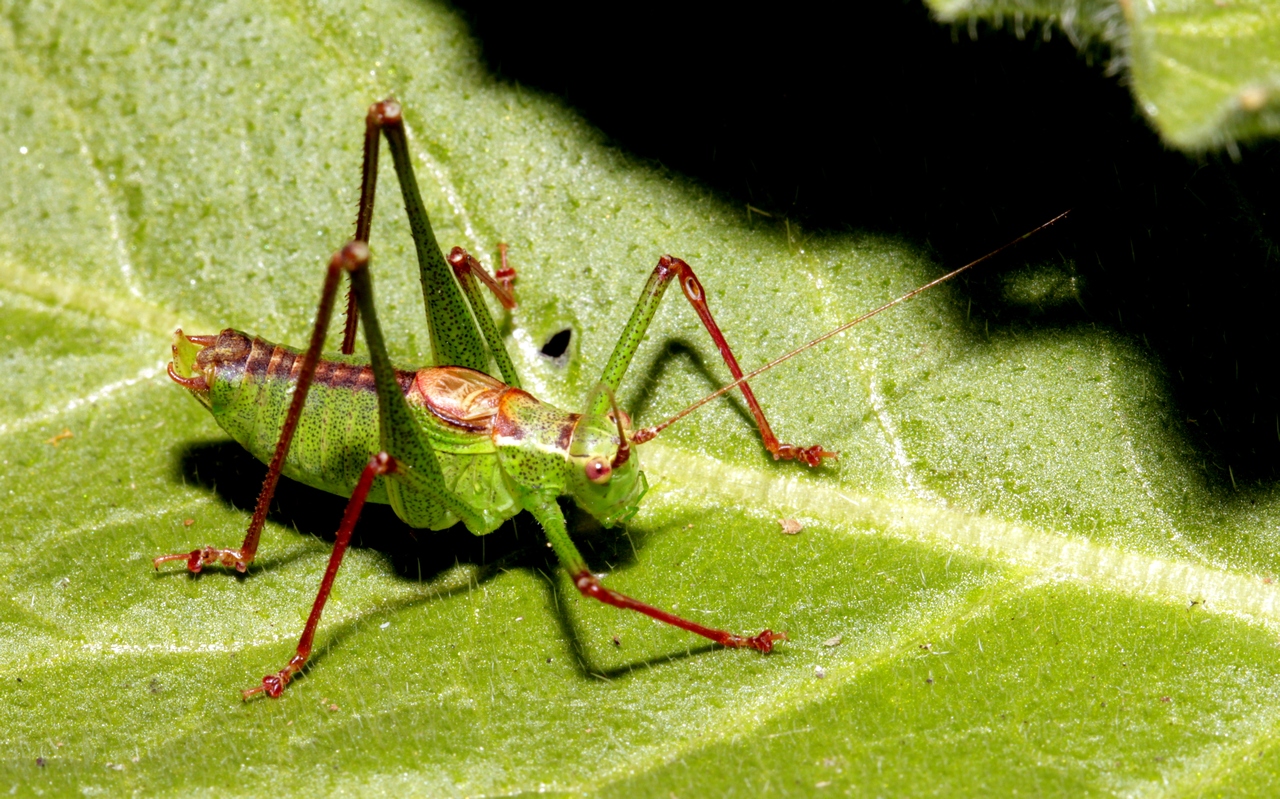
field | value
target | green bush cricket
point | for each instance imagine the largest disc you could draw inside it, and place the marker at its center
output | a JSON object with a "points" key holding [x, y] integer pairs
{"points": [[449, 443]]}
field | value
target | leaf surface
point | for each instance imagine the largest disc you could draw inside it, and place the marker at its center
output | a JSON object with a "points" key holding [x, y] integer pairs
{"points": [[1019, 575]]}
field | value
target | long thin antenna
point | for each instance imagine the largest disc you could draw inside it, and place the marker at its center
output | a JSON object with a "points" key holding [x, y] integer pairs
{"points": [[647, 433]]}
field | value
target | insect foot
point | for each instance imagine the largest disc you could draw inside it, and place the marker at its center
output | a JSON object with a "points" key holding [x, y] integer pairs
{"points": [[197, 559], [761, 643], [810, 456], [273, 684]]}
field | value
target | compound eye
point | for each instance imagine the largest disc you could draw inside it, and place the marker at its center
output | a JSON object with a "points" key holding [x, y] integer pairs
{"points": [[598, 470]]}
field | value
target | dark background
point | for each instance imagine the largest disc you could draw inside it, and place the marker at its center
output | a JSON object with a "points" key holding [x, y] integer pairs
{"points": [[879, 119]]}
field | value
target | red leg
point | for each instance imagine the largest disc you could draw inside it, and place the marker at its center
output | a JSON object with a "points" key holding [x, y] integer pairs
{"points": [[549, 515], [240, 558], [506, 275], [364, 216], [466, 266], [590, 586], [669, 267], [273, 684]]}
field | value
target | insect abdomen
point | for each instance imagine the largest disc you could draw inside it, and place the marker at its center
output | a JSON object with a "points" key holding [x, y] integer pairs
{"points": [[338, 429]]}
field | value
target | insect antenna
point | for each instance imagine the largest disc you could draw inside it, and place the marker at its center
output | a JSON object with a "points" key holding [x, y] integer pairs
{"points": [[648, 433]]}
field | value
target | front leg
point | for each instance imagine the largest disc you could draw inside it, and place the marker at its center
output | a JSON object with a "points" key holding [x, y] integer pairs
{"points": [[667, 269], [547, 512]]}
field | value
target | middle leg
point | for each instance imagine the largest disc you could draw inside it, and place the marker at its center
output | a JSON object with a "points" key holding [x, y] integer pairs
{"points": [[670, 268]]}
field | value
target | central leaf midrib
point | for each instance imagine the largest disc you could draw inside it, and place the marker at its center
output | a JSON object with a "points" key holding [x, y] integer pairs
{"points": [[1102, 566]]}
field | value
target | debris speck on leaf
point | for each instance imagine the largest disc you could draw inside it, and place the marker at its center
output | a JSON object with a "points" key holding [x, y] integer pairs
{"points": [[819, 672], [60, 437]]}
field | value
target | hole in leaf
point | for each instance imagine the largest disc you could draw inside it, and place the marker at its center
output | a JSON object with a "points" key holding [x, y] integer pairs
{"points": [[558, 344]]}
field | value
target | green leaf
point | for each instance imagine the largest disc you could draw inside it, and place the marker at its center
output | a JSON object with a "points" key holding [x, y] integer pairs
{"points": [[1206, 73], [1019, 576]]}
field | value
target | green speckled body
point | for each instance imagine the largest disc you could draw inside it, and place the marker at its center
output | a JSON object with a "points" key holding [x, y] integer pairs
{"points": [[494, 443], [495, 450]]}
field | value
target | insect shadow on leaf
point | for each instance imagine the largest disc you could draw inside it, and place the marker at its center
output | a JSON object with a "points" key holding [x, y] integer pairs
{"points": [[235, 476]]}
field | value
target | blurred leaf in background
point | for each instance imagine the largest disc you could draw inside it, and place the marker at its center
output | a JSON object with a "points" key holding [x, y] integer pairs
{"points": [[1206, 73]]}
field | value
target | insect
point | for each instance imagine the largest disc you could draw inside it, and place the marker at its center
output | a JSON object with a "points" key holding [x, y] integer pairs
{"points": [[449, 443]]}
